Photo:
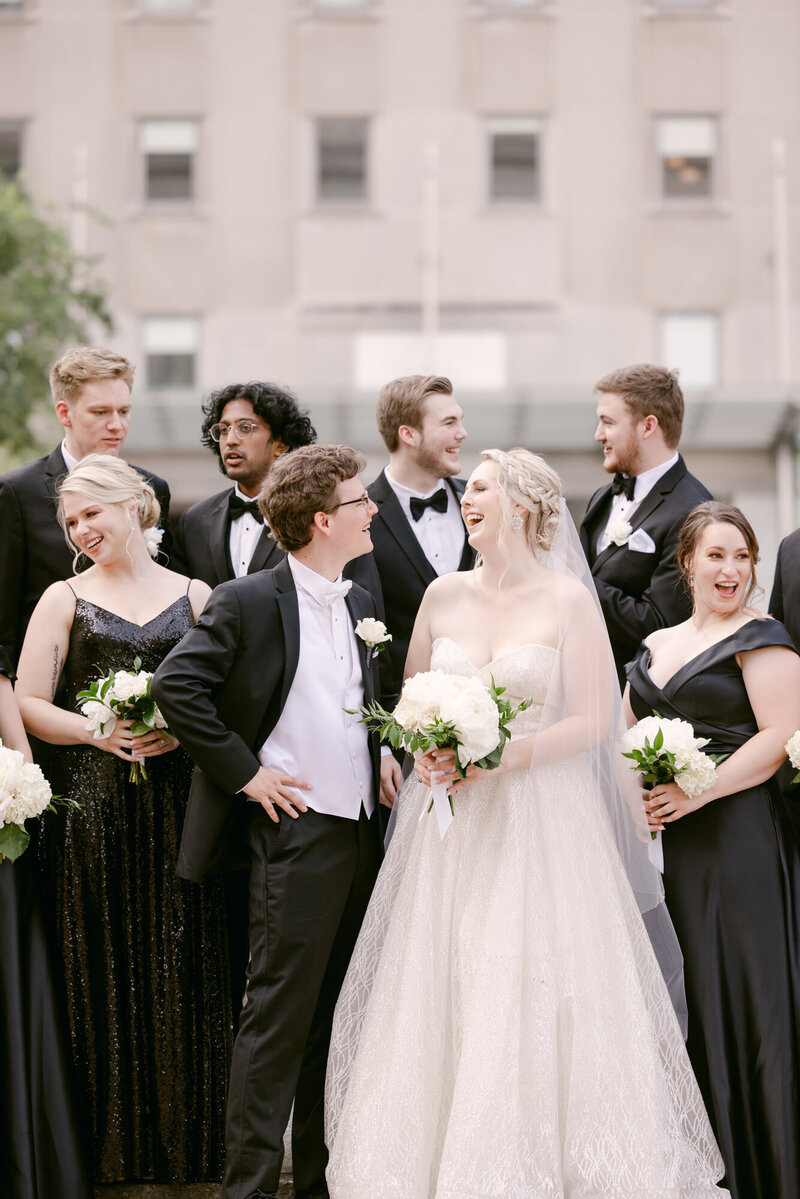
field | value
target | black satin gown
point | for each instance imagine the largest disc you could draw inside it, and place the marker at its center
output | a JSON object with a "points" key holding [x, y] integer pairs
{"points": [[732, 882], [142, 954], [41, 1154]]}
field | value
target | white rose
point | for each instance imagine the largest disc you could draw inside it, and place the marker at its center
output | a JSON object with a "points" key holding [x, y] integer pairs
{"points": [[372, 632], [11, 763], [619, 530], [420, 699], [474, 713], [152, 539], [699, 774], [793, 749], [100, 719], [128, 686], [34, 793]]}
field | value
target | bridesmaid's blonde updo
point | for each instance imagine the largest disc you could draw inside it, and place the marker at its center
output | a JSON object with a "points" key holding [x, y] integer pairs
{"points": [[108, 480], [527, 480]]}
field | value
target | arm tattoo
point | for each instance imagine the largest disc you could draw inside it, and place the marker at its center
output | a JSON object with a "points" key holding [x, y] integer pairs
{"points": [[57, 664]]}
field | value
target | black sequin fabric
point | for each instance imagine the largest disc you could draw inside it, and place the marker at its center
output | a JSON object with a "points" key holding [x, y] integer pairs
{"points": [[142, 953]]}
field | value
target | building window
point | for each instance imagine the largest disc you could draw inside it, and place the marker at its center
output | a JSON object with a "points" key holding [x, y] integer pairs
{"points": [[506, 4], [687, 150], [342, 159], [10, 148], [515, 171], [689, 342], [171, 345], [342, 5], [684, 5], [167, 7], [169, 154], [11, 5]]}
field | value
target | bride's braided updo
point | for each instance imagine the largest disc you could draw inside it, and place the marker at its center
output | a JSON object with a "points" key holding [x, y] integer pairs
{"points": [[527, 480]]}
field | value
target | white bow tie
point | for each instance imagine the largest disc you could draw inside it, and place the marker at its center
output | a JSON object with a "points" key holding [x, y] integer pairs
{"points": [[335, 591]]}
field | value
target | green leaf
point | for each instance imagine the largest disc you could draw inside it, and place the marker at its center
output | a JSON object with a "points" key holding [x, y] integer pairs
{"points": [[13, 841]]}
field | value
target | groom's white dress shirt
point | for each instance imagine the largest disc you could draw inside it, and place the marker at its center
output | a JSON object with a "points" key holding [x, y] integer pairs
{"points": [[243, 537], [314, 738], [623, 509], [69, 461], [441, 534]]}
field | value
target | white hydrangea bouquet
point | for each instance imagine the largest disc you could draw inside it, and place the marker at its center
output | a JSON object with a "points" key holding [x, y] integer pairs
{"points": [[667, 751], [123, 695], [24, 795], [792, 748], [447, 711]]}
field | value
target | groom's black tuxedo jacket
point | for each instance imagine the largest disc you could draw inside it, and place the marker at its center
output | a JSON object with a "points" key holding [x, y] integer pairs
{"points": [[640, 592], [222, 690], [33, 549], [200, 543], [784, 603], [399, 572]]}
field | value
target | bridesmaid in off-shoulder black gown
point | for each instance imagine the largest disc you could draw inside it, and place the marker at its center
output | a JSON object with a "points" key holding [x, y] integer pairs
{"points": [[40, 1149], [732, 882]]}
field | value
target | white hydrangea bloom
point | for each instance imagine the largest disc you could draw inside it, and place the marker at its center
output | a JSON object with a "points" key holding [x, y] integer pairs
{"points": [[793, 749]]}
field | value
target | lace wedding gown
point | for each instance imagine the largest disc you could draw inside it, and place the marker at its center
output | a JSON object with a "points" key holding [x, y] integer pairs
{"points": [[504, 1031]]}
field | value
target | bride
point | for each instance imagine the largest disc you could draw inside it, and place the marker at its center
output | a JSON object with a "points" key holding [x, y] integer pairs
{"points": [[504, 1031]]}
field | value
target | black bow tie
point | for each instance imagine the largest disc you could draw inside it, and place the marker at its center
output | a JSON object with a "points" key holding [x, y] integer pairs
{"points": [[238, 507], [437, 501], [624, 485]]}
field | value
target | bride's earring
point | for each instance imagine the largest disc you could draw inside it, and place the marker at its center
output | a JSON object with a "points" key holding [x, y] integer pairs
{"points": [[517, 522]]}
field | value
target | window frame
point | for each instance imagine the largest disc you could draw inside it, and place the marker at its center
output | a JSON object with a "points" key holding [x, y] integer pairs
{"points": [[148, 353], [707, 200], [169, 203], [333, 202], [536, 124]]}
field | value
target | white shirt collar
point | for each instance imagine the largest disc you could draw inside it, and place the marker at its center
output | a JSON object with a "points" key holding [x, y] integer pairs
{"points": [[401, 490], [314, 584], [69, 461], [646, 481]]}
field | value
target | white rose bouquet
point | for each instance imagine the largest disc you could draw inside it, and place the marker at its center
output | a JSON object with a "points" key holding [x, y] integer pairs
{"points": [[447, 711], [792, 748], [123, 695], [667, 751], [24, 794]]}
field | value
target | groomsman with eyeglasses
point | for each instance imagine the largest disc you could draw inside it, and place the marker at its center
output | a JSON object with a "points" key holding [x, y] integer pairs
{"points": [[247, 426]]}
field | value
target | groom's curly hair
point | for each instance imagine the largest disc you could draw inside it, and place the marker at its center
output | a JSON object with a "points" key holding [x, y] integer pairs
{"points": [[301, 484]]}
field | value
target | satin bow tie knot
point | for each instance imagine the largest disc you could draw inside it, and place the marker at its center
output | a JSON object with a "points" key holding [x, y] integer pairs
{"points": [[238, 507], [623, 485], [335, 591], [437, 501]]}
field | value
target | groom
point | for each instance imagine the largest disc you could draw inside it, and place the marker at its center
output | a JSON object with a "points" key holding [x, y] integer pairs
{"points": [[257, 693], [631, 528]]}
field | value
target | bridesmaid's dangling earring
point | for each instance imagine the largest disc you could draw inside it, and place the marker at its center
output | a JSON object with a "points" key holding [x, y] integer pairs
{"points": [[516, 522]]}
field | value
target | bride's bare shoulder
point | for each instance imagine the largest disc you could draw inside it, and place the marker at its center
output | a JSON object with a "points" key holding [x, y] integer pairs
{"points": [[447, 587]]}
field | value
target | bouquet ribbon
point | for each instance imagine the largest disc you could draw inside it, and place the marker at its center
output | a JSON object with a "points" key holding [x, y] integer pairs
{"points": [[655, 852], [441, 805]]}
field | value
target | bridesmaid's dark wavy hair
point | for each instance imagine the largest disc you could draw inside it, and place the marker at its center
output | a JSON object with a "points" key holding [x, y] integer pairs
{"points": [[714, 513]]}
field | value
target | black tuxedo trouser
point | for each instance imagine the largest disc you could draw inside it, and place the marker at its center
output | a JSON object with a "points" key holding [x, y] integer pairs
{"points": [[310, 882]]}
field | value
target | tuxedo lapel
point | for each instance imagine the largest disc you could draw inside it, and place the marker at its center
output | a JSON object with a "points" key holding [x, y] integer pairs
{"points": [[654, 498], [266, 552], [364, 652], [467, 559], [290, 619], [55, 469], [393, 516], [218, 538]]}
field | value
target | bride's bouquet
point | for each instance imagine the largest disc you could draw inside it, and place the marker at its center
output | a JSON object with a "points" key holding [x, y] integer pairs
{"points": [[792, 748], [667, 751], [447, 711], [123, 695], [24, 795]]}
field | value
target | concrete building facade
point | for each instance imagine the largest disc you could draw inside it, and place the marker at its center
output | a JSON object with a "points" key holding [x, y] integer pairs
{"points": [[521, 194]]}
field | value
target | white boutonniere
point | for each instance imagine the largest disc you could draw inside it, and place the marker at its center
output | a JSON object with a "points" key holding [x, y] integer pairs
{"points": [[373, 633], [619, 530], [152, 539]]}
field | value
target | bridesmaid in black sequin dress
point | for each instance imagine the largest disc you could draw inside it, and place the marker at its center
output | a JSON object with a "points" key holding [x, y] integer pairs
{"points": [[40, 1147], [143, 953], [731, 866]]}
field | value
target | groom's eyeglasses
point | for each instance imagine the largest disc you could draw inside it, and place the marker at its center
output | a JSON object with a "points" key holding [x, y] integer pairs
{"points": [[363, 500], [244, 428]]}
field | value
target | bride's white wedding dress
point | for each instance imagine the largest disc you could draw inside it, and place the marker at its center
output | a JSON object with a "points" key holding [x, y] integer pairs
{"points": [[504, 1031]]}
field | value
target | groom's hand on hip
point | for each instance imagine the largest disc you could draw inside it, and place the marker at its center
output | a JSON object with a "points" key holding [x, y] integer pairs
{"points": [[274, 790]]}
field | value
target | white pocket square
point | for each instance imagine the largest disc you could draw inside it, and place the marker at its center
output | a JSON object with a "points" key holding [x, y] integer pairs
{"points": [[641, 542]]}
